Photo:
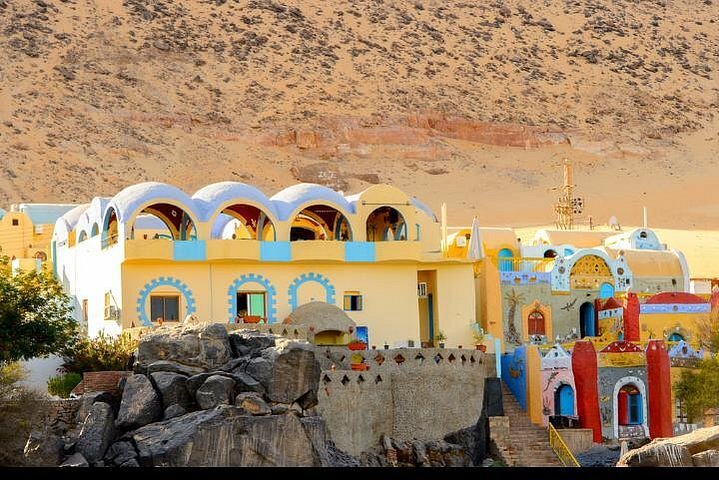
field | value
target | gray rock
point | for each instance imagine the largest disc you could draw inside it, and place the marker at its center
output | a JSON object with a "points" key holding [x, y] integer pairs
{"points": [[174, 411], [225, 437], [674, 451], [140, 403], [235, 365], [708, 458], [216, 390], [250, 343], [245, 383], [175, 367], [173, 389], [295, 378], [76, 460], [205, 345], [131, 463], [279, 409], [43, 448], [120, 452], [261, 370], [97, 432], [88, 399], [253, 403]]}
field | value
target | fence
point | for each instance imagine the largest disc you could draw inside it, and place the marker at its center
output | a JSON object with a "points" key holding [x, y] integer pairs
{"points": [[561, 449]]}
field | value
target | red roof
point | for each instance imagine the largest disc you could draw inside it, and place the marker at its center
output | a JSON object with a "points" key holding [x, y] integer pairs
{"points": [[611, 303], [675, 297]]}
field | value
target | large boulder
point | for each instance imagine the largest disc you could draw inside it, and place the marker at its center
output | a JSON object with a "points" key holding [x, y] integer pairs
{"points": [[261, 370], [206, 346], [97, 433], [708, 458], [252, 403], [243, 382], [216, 390], [120, 453], [674, 451], [168, 366], [173, 389], [225, 437], [43, 448], [295, 377], [249, 343], [88, 399], [140, 403], [75, 460]]}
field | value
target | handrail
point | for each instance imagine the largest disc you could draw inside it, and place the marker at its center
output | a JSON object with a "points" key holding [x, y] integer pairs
{"points": [[523, 264], [561, 449]]}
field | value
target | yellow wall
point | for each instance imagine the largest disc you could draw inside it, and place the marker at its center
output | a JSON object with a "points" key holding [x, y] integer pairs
{"points": [[534, 389], [24, 240], [491, 300], [390, 303], [658, 323]]}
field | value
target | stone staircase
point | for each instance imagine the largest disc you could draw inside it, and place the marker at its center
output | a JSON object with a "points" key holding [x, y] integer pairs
{"points": [[528, 443]]}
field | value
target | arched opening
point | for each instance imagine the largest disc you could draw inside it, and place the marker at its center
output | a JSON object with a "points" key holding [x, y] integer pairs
{"points": [[320, 222], [109, 228], [589, 272], [675, 337], [330, 337], [587, 325], [179, 224], [564, 400], [82, 237], [149, 227], [42, 256], [629, 405], [606, 291], [505, 263], [248, 223], [535, 323], [95, 230], [385, 224], [550, 253]]}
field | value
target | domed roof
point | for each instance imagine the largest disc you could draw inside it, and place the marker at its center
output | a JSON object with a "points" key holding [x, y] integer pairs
{"points": [[67, 222], [675, 297], [322, 316], [209, 198], [286, 201], [127, 201]]}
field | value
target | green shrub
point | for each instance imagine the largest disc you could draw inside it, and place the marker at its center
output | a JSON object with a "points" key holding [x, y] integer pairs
{"points": [[99, 354], [61, 385]]}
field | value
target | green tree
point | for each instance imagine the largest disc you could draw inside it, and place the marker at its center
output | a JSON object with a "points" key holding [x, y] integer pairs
{"points": [[35, 315]]}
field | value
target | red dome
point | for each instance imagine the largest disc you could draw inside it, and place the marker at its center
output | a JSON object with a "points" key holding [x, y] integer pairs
{"points": [[675, 297]]}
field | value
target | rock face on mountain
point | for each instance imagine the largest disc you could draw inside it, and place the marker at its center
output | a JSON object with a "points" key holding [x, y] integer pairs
{"points": [[698, 448]]}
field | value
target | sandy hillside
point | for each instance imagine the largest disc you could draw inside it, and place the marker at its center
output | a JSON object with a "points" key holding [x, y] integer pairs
{"points": [[471, 103]]}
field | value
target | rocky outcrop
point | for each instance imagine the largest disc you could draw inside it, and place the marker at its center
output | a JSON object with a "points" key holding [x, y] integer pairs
{"points": [[172, 388], [682, 451], [206, 346], [140, 403], [98, 431], [416, 453], [295, 378], [216, 390]]}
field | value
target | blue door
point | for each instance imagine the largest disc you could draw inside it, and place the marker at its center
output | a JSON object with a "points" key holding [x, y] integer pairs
{"points": [[564, 401], [586, 320], [505, 260], [635, 409], [606, 291]]}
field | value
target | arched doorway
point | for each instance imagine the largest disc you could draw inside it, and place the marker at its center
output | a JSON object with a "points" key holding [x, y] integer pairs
{"points": [[178, 222], [675, 337], [248, 223], [535, 323], [564, 400], [384, 224], [320, 222], [505, 260], [629, 405], [587, 327], [606, 291]]}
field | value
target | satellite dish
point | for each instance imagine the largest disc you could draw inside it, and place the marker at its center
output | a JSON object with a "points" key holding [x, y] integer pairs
{"points": [[614, 223]]}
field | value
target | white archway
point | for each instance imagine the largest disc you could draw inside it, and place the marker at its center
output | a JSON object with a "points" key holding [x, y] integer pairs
{"points": [[639, 383]]}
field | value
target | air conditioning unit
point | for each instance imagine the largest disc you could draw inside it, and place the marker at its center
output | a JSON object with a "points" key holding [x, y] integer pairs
{"points": [[422, 289]]}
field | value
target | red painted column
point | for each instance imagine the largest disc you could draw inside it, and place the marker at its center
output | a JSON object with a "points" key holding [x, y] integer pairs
{"points": [[584, 368], [623, 407], [631, 318], [659, 384]]}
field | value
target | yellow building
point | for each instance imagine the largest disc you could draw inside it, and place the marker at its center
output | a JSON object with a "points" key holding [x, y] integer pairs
{"points": [[25, 233], [229, 253]]}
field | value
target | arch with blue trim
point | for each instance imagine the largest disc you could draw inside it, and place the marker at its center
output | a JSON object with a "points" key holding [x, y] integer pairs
{"points": [[310, 277], [161, 282], [270, 291]]}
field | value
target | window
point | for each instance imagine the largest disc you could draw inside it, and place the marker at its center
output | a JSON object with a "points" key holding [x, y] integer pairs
{"points": [[352, 302], [536, 323], [682, 416], [165, 308], [15, 222], [251, 303]]}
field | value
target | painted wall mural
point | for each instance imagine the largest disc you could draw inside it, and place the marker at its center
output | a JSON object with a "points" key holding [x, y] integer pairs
{"points": [[514, 299], [514, 368]]}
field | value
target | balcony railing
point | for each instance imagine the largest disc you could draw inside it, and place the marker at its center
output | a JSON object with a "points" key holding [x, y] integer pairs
{"points": [[523, 264], [561, 449]]}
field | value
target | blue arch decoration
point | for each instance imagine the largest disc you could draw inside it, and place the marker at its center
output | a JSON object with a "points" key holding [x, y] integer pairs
{"points": [[505, 260], [606, 291], [310, 277], [159, 282], [269, 290]]}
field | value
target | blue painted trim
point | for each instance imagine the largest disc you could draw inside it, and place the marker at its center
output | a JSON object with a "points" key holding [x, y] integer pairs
{"points": [[498, 356], [158, 282], [189, 250], [310, 277], [270, 291], [360, 252], [675, 308], [275, 251]]}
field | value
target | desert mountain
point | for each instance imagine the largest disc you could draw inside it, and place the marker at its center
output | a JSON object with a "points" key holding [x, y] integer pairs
{"points": [[469, 102]]}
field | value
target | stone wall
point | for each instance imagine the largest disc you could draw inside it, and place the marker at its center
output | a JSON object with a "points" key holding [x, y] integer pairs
{"points": [[422, 393], [62, 414], [578, 440]]}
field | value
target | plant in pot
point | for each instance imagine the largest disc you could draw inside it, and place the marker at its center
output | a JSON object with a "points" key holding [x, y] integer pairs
{"points": [[440, 338], [357, 345], [478, 335]]}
